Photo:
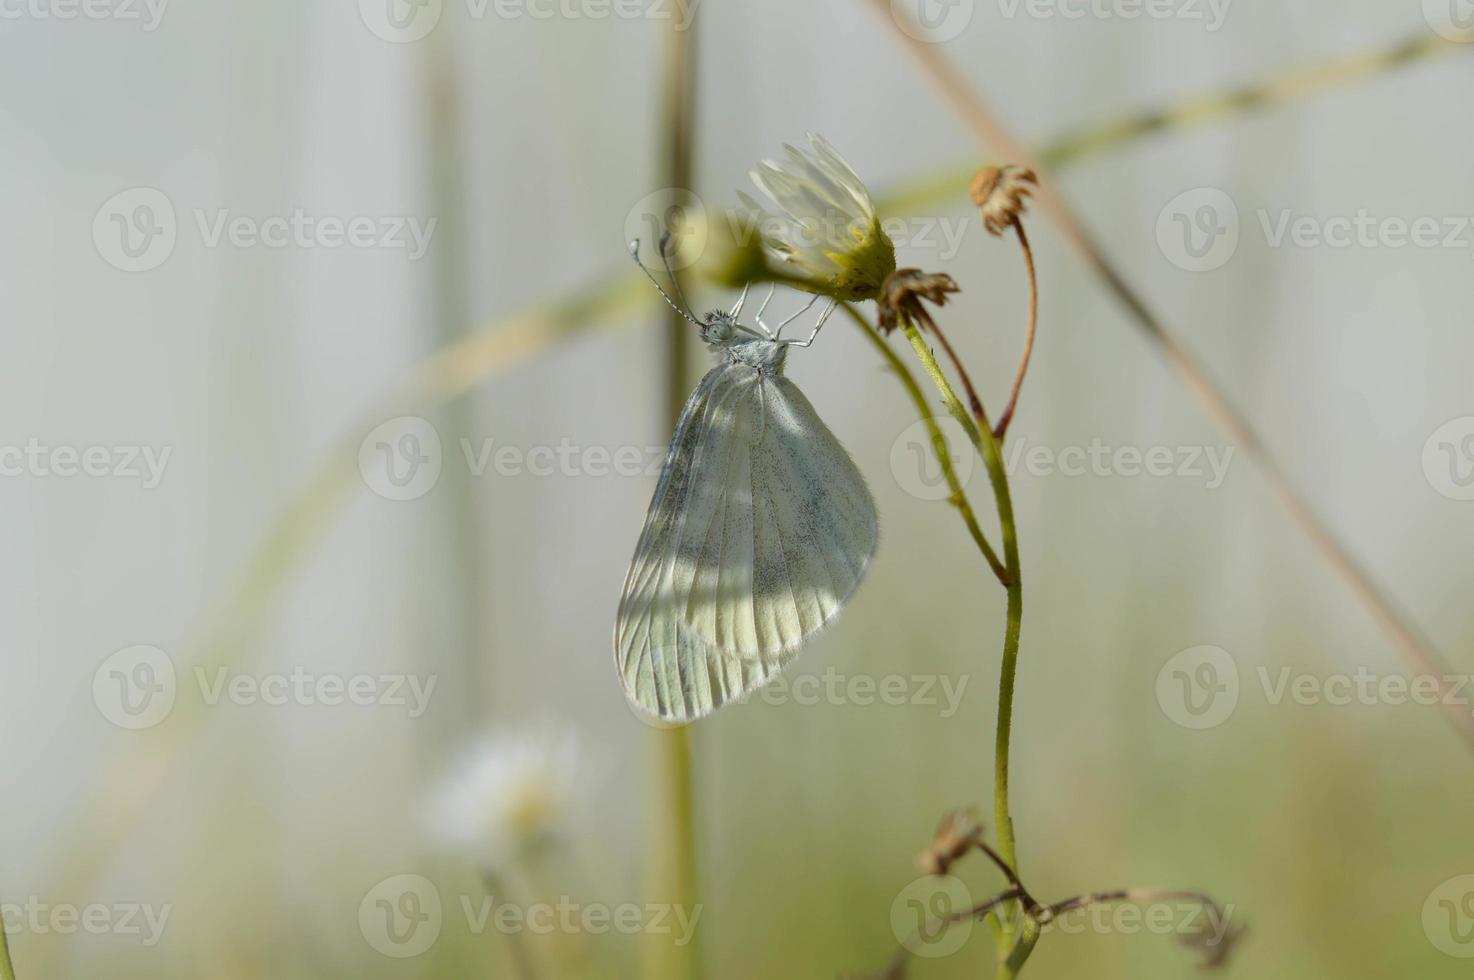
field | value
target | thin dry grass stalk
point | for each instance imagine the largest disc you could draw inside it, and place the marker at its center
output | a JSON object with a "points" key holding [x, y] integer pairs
{"points": [[671, 848], [992, 134]]}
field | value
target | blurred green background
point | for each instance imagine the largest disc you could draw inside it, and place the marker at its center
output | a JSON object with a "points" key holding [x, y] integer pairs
{"points": [[1338, 833]]}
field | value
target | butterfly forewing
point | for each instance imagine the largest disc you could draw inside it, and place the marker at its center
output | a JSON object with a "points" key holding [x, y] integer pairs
{"points": [[760, 529]]}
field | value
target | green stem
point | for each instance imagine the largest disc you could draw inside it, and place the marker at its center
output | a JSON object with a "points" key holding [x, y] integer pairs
{"points": [[988, 446], [1028, 938], [672, 854], [7, 971], [938, 440]]}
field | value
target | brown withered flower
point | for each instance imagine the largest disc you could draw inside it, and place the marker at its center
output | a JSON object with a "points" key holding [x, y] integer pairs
{"points": [[1215, 942], [1000, 194], [956, 834], [903, 291]]}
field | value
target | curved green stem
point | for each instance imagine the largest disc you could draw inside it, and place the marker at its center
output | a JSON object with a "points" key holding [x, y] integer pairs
{"points": [[1028, 938], [7, 971], [988, 446], [938, 440]]}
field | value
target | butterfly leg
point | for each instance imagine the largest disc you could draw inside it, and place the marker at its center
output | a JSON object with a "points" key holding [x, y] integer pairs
{"points": [[737, 310], [772, 288], [806, 307], [833, 303]]}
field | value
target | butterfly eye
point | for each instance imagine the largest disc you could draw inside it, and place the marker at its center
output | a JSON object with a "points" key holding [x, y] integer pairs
{"points": [[719, 328]]}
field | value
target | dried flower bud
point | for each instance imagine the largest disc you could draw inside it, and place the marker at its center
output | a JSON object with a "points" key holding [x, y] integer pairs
{"points": [[956, 834], [1215, 940], [1000, 193], [903, 292]]}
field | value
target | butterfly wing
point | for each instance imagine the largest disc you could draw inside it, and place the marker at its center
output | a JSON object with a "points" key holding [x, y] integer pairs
{"points": [[761, 527], [668, 671], [787, 547]]}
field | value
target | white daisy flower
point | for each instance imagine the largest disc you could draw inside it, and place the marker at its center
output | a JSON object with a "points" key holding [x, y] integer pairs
{"points": [[828, 231], [506, 798]]}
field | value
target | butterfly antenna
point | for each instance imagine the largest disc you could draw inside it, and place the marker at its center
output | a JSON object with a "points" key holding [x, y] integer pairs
{"points": [[635, 254], [665, 258]]}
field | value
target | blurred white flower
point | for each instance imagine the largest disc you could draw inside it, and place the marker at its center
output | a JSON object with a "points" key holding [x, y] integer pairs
{"points": [[828, 232], [506, 798]]}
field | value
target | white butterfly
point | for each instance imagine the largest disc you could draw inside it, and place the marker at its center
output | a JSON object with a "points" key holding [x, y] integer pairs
{"points": [[760, 530]]}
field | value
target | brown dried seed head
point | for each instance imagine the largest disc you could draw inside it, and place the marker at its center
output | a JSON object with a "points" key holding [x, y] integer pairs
{"points": [[958, 831], [1000, 194], [904, 290]]}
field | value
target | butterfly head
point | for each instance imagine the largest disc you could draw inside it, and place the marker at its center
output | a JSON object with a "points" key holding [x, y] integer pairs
{"points": [[719, 328]]}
